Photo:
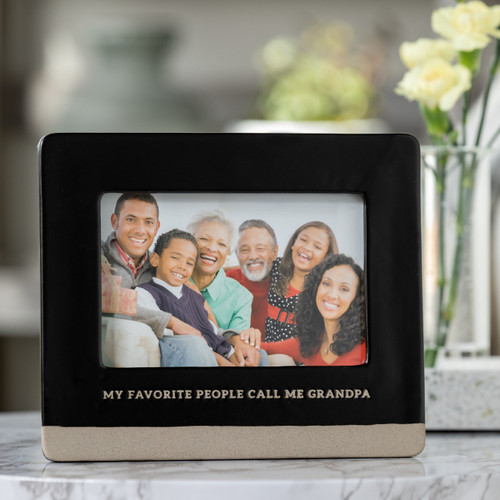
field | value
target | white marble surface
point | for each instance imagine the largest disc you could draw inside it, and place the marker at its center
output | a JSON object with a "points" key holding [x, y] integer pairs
{"points": [[453, 466]]}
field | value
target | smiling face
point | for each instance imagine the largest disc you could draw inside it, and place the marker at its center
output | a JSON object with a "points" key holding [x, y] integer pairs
{"points": [[214, 242], [176, 263], [136, 227], [336, 291], [256, 253], [310, 248]]}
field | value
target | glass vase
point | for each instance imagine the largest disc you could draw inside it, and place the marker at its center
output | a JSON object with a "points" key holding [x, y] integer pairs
{"points": [[456, 204]]}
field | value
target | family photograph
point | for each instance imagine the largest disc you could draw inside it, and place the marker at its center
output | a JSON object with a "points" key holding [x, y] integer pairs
{"points": [[233, 279]]}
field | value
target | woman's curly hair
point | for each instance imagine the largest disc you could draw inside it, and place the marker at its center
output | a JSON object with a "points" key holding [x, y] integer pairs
{"points": [[286, 265], [310, 326]]}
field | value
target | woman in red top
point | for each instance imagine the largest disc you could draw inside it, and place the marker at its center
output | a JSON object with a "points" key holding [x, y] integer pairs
{"points": [[330, 317]]}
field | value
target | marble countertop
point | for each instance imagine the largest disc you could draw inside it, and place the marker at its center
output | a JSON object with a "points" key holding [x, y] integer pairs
{"points": [[452, 466]]}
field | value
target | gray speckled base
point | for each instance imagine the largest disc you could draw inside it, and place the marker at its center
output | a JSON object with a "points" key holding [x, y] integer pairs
{"points": [[462, 399], [210, 443]]}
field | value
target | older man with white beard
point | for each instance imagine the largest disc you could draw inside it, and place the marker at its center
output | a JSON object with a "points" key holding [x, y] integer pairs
{"points": [[256, 251]]}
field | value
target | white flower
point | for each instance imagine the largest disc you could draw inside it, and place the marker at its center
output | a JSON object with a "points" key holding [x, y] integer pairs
{"points": [[435, 84], [467, 25], [416, 53]]}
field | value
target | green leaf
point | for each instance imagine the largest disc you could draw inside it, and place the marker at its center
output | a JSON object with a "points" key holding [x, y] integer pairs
{"points": [[471, 60], [436, 121]]}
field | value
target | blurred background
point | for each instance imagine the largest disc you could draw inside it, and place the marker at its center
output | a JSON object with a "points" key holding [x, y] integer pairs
{"points": [[181, 65]]}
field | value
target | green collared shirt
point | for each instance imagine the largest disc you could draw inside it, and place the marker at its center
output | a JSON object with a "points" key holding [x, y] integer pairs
{"points": [[230, 302]]}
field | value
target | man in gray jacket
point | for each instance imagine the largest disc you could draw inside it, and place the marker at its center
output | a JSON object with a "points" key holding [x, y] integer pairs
{"points": [[135, 222]]}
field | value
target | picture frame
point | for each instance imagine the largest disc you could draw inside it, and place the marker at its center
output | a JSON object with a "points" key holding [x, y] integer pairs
{"points": [[92, 410]]}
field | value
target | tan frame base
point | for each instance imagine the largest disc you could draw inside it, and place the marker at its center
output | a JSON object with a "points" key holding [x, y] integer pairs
{"points": [[68, 444]]}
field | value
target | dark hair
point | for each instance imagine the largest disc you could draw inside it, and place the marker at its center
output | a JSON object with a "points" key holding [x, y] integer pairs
{"points": [[163, 241], [141, 196], [310, 325], [286, 265], [259, 223]]}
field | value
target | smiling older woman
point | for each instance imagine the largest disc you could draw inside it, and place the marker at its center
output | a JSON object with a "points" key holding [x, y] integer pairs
{"points": [[231, 302]]}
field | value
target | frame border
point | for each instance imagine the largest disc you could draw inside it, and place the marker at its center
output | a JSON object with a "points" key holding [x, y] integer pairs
{"points": [[75, 169]]}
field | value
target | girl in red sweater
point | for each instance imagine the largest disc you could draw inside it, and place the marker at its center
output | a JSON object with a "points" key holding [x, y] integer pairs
{"points": [[307, 247]]}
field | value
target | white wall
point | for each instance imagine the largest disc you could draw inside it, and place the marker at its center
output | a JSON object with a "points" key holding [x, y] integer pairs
{"points": [[344, 213]]}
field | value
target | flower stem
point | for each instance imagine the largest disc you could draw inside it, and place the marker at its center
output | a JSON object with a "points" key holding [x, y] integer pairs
{"points": [[467, 179], [494, 137], [493, 70], [441, 185], [465, 112]]}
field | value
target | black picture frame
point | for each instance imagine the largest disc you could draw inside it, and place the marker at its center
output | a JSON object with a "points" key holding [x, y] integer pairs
{"points": [[79, 423]]}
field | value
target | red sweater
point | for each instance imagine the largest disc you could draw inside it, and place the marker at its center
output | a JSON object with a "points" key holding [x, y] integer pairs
{"points": [[259, 290], [357, 356]]}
